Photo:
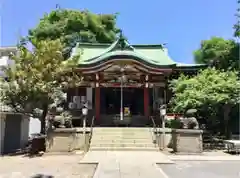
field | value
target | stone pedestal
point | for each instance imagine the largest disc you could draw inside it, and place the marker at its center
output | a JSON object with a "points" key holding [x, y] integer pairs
{"points": [[67, 140], [167, 137], [187, 141]]}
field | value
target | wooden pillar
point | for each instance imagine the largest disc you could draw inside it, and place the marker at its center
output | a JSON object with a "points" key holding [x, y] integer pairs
{"points": [[146, 102], [146, 97], [97, 103], [97, 98]]}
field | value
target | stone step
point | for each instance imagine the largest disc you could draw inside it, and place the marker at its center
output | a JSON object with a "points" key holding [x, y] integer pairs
{"points": [[124, 140], [146, 137], [120, 142], [100, 137], [120, 138], [123, 131], [123, 149], [122, 128], [122, 145]]}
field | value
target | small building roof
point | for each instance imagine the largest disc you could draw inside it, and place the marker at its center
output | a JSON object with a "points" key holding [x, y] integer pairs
{"points": [[8, 48]]}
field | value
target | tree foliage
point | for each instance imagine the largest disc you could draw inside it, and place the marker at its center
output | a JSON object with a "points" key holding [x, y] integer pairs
{"points": [[38, 77], [218, 52], [72, 25], [210, 88], [237, 25], [208, 91]]}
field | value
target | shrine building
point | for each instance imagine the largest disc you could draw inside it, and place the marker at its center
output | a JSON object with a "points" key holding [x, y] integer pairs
{"points": [[124, 79]]}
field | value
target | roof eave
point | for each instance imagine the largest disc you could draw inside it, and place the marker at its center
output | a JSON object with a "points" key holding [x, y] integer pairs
{"points": [[191, 67]]}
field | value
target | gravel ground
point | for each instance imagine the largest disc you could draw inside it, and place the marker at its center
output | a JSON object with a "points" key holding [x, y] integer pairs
{"points": [[57, 166], [202, 169]]}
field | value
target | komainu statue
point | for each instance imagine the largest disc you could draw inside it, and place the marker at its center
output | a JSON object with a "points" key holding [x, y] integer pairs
{"points": [[189, 121]]}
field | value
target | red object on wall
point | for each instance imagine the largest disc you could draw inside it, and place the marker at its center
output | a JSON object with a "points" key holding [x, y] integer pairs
{"points": [[97, 103], [146, 102]]}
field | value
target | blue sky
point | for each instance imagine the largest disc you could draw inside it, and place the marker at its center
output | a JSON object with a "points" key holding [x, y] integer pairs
{"points": [[180, 24]]}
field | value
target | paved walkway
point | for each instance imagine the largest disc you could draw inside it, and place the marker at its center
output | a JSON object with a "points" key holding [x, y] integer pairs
{"points": [[58, 166], [127, 164], [121, 164], [202, 169], [204, 158]]}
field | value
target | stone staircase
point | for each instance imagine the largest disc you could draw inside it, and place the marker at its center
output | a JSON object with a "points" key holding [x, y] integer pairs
{"points": [[122, 138]]}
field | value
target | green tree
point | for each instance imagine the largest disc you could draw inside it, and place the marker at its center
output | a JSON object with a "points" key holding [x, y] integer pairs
{"points": [[38, 78], [218, 52], [71, 25], [207, 91], [237, 25]]}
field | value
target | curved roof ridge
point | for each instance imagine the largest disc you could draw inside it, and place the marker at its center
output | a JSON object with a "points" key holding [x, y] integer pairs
{"points": [[129, 45], [112, 47], [109, 49]]}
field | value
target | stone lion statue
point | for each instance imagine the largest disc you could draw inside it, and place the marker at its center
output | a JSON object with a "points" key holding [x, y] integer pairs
{"points": [[189, 121]]}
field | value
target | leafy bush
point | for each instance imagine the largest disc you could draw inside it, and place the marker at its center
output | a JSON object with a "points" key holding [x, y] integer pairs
{"points": [[174, 124]]}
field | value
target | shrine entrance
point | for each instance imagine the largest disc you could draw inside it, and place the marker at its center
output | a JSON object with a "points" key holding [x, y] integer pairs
{"points": [[133, 100], [129, 100]]}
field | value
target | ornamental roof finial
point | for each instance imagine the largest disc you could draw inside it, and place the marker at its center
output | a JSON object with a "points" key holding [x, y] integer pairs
{"points": [[58, 6], [122, 41], [121, 35]]}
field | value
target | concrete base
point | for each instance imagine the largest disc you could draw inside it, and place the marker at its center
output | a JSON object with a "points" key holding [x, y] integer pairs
{"points": [[67, 140], [167, 141], [187, 141]]}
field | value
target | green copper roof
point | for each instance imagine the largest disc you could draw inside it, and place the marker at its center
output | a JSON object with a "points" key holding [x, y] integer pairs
{"points": [[155, 55], [152, 55]]}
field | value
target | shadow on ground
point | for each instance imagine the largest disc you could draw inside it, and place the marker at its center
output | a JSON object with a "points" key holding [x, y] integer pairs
{"points": [[42, 176]]}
